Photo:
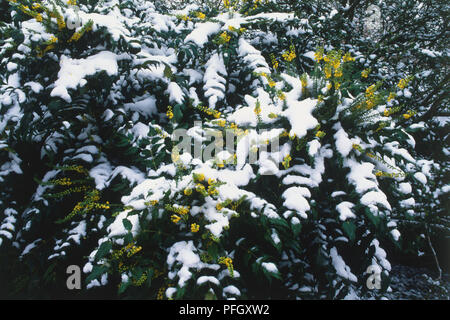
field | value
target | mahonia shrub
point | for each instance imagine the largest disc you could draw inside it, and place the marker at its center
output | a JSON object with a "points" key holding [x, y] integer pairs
{"points": [[92, 98]]}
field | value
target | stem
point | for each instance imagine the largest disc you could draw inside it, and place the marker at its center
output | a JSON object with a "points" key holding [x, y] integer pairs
{"points": [[434, 252]]}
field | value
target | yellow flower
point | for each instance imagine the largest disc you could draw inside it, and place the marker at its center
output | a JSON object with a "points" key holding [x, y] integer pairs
{"points": [[386, 113], [199, 177], [320, 134], [187, 191], [169, 112], [221, 123], [200, 15], [391, 96], [318, 55], [347, 57], [212, 191], [379, 173], [228, 262], [75, 37], [219, 206], [402, 83], [38, 17], [225, 37], [153, 202], [175, 218], [195, 227], [365, 73], [406, 116], [257, 109], [327, 71]]}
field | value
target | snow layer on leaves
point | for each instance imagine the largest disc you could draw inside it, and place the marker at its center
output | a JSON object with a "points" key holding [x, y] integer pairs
{"points": [[73, 72], [214, 81], [344, 209], [299, 114], [201, 33], [341, 268], [184, 253]]}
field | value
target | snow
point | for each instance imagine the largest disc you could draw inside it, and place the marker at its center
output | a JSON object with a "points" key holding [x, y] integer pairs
{"points": [[201, 33], [344, 209], [313, 147], [203, 279], [341, 268], [420, 177], [183, 252], [343, 143], [145, 105], [78, 232], [295, 200], [395, 234], [375, 197], [73, 72], [118, 229], [299, 114], [269, 266], [361, 175], [231, 290], [175, 93], [214, 81], [405, 188]]}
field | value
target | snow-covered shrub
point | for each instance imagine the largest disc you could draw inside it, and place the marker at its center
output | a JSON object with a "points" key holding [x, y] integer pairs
{"points": [[92, 174]]}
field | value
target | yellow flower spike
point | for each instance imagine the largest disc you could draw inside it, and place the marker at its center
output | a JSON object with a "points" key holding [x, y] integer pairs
{"points": [[174, 218], [169, 112], [391, 96], [320, 134], [402, 84], [200, 15], [225, 37], [365, 73], [195, 227], [221, 123], [199, 177], [347, 57], [318, 55]]}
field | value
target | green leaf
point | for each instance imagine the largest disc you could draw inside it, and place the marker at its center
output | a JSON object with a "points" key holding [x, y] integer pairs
{"points": [[96, 272], [127, 224], [177, 113], [349, 229], [168, 72], [103, 250], [213, 251], [123, 286]]}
